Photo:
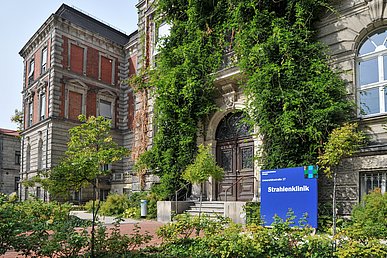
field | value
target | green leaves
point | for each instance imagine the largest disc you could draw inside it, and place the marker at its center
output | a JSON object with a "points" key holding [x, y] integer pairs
{"points": [[342, 143], [203, 167], [293, 94], [89, 148], [295, 97]]}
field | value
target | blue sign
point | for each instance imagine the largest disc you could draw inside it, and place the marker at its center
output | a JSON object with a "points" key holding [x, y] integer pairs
{"points": [[289, 188]]}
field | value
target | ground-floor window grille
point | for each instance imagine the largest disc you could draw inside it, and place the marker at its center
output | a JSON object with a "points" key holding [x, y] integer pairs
{"points": [[370, 181]]}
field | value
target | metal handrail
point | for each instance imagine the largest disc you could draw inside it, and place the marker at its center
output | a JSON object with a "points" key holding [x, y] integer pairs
{"points": [[178, 191], [231, 186]]}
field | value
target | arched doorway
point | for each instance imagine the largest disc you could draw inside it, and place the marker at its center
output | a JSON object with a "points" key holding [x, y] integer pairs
{"points": [[235, 154]]}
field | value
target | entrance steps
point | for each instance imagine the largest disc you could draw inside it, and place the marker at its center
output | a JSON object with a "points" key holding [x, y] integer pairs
{"points": [[209, 208]]}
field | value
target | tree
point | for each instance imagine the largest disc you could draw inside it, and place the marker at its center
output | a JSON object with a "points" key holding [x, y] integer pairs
{"points": [[17, 118], [342, 143], [202, 168], [90, 148]]}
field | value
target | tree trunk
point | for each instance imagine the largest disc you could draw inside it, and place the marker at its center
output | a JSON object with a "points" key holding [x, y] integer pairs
{"points": [[334, 210]]}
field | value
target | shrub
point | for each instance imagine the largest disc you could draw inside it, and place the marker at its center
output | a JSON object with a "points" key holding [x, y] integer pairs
{"points": [[222, 238], [132, 212], [111, 244], [253, 215], [115, 204], [370, 217], [134, 204], [89, 205], [356, 248]]}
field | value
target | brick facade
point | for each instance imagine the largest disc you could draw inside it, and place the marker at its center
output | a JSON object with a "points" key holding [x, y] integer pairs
{"points": [[84, 67]]}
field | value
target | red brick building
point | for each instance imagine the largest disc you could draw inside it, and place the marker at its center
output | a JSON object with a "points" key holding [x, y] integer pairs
{"points": [[75, 64]]}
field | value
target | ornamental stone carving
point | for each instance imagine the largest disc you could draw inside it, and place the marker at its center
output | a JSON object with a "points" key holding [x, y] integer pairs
{"points": [[229, 95], [376, 8]]}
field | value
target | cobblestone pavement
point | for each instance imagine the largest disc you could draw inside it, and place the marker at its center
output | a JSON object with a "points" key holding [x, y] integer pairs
{"points": [[126, 227]]}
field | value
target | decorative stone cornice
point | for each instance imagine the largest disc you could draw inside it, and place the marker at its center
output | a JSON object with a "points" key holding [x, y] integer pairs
{"points": [[376, 8], [37, 38]]}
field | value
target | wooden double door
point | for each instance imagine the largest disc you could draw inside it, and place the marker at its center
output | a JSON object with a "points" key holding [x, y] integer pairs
{"points": [[236, 157]]}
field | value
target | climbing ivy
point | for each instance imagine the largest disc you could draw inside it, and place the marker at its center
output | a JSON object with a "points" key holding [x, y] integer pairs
{"points": [[294, 96], [183, 84]]}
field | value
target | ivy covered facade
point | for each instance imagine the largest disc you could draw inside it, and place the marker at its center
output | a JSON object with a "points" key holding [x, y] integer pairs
{"points": [[262, 82]]}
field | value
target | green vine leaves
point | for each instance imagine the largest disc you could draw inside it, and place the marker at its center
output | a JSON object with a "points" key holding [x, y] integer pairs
{"points": [[293, 94]]}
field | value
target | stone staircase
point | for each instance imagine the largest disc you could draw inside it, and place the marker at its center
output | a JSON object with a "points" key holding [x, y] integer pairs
{"points": [[209, 208]]}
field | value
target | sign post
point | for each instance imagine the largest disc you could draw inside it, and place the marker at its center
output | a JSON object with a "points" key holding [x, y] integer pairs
{"points": [[289, 188]]}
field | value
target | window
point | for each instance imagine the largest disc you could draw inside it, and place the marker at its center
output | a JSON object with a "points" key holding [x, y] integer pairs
{"points": [[30, 113], [117, 176], [31, 70], [38, 192], [163, 32], [369, 181], [28, 157], [372, 74], [106, 105], [105, 109], [17, 181], [40, 154], [106, 167], [42, 106], [17, 157], [103, 193], [26, 193], [44, 60]]}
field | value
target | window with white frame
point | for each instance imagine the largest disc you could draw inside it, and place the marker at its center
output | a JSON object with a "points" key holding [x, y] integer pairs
{"points": [[44, 61], [163, 32], [369, 181], [31, 70], [42, 106], [30, 113], [372, 74]]}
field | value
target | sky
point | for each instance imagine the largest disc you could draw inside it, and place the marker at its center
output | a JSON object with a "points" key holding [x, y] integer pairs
{"points": [[20, 19]]}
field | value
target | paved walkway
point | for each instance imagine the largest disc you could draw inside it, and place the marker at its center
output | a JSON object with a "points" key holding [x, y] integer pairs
{"points": [[107, 220], [127, 226]]}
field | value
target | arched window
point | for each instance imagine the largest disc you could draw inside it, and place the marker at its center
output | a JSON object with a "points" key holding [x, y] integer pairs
{"points": [[232, 127], [372, 74]]}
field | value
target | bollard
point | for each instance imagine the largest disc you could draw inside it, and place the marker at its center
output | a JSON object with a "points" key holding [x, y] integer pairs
{"points": [[144, 208]]}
